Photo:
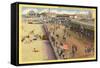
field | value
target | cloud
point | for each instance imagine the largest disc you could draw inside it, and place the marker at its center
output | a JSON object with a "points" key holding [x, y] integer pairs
{"points": [[55, 10]]}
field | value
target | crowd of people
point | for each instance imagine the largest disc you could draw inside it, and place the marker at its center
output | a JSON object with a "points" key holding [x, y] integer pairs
{"points": [[83, 30], [60, 34], [32, 37]]}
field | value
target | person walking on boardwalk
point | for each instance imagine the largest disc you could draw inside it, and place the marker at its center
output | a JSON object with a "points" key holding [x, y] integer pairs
{"points": [[74, 49]]}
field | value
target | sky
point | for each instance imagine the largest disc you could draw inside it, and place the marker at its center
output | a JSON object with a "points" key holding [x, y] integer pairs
{"points": [[54, 10]]}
